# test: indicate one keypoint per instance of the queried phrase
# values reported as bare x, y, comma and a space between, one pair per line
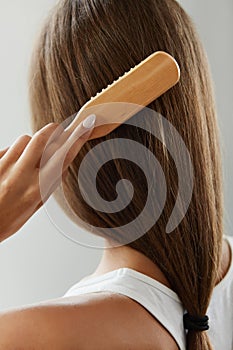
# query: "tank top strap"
163, 303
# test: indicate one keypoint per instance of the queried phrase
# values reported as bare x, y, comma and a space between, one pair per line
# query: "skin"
30, 162
91, 321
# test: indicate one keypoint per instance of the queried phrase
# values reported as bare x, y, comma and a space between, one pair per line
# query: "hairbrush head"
135, 89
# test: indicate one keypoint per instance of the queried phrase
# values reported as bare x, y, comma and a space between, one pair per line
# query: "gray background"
38, 262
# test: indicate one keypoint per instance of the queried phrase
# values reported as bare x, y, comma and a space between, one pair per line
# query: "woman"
145, 286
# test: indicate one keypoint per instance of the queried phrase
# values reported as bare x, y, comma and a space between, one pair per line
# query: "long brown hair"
83, 47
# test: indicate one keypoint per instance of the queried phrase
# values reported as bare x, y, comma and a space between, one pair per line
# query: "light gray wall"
38, 262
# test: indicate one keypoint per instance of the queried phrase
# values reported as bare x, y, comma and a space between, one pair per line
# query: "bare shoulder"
90, 321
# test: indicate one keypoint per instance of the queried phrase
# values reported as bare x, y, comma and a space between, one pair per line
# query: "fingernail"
89, 121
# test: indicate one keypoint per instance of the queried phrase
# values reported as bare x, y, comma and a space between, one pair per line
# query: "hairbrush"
137, 88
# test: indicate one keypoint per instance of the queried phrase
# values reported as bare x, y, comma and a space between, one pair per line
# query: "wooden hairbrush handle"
137, 88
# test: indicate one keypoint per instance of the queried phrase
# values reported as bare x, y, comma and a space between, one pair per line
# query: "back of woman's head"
83, 47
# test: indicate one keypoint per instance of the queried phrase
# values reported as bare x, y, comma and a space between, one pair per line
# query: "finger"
59, 162
3, 152
76, 140
69, 148
53, 146
35, 148
56, 143
15, 151
73, 123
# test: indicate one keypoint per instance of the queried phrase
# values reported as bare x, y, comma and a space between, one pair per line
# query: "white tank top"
165, 305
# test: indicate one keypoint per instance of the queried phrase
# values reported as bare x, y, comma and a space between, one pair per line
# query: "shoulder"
90, 321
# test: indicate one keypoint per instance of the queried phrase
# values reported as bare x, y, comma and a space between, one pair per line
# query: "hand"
34, 161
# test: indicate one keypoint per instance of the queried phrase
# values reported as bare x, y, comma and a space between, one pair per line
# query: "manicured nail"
89, 121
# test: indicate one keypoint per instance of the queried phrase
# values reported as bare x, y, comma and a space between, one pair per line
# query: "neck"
125, 256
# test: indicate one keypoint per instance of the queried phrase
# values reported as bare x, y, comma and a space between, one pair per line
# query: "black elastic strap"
198, 324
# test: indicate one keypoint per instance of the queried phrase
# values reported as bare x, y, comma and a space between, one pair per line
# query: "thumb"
83, 130
77, 139
88, 125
